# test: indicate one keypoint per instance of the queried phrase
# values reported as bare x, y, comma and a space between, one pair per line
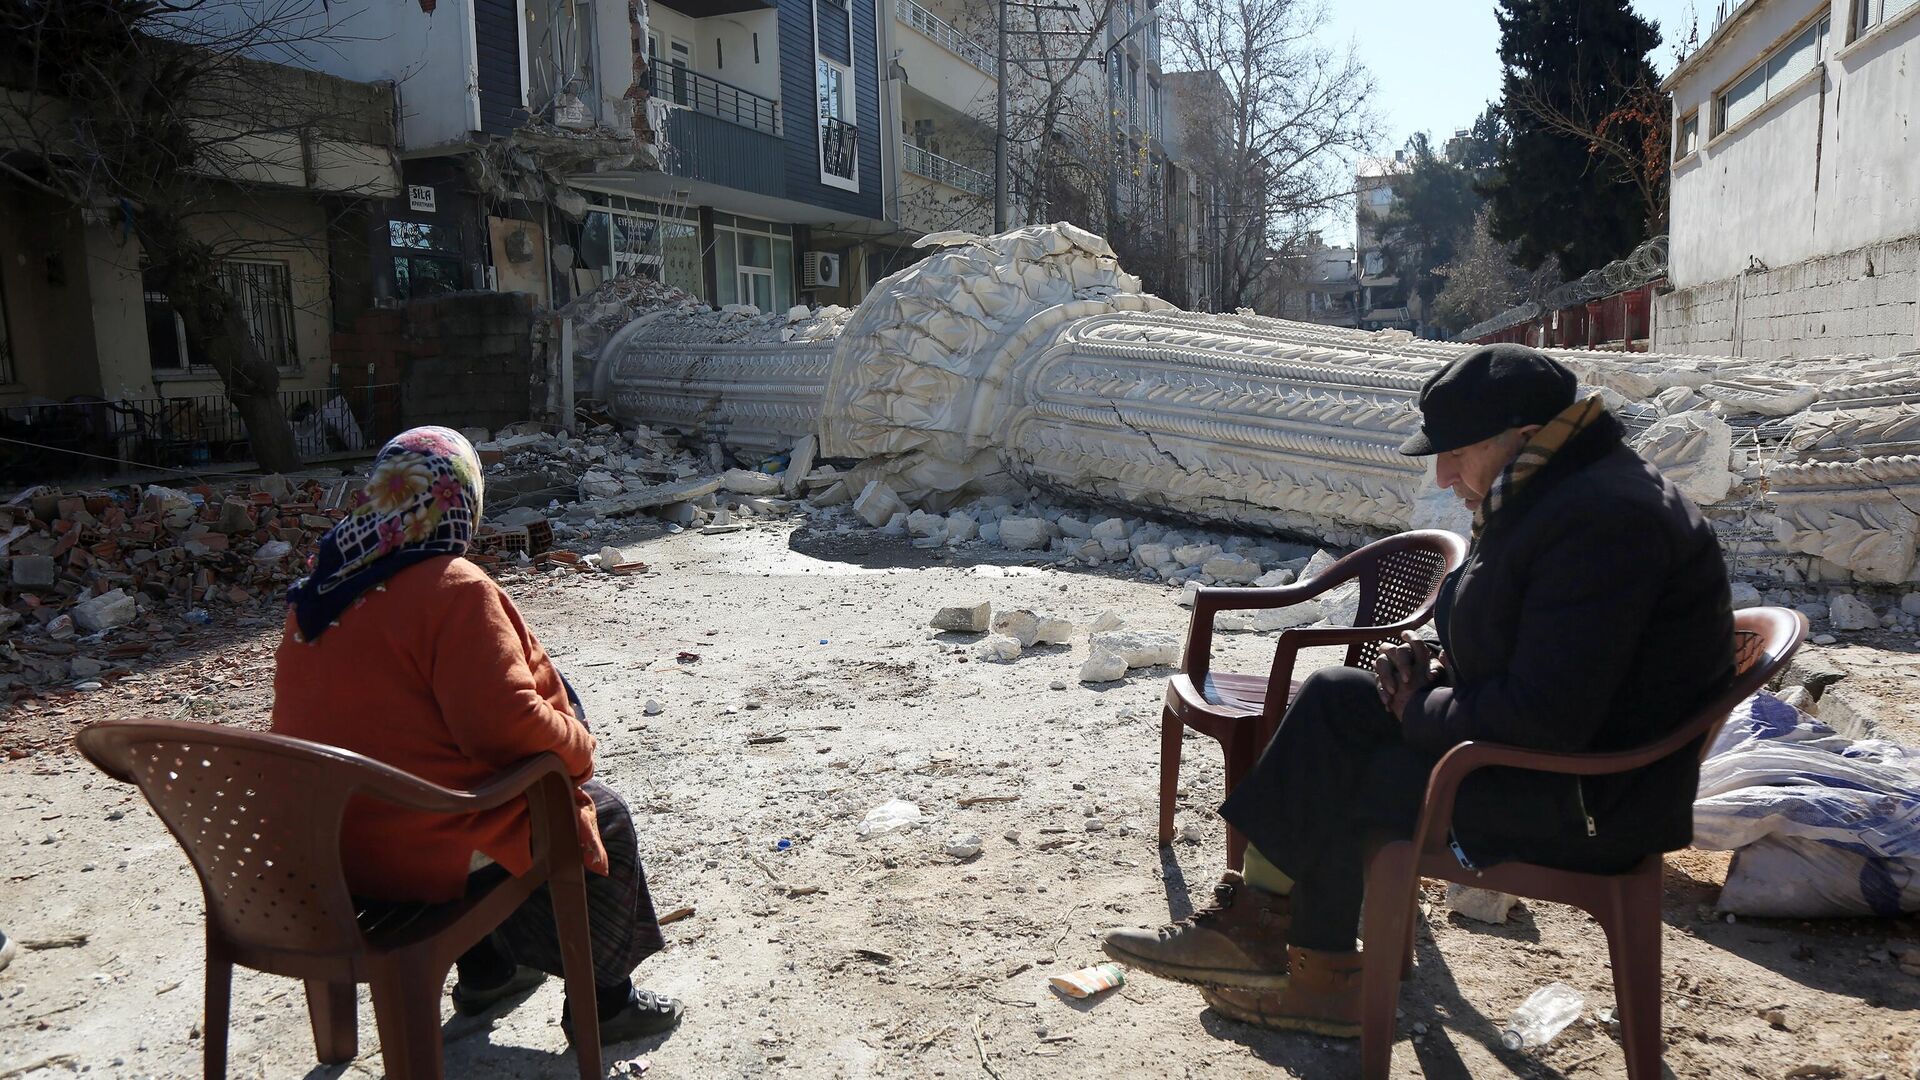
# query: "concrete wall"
43, 279
735, 33
463, 359
1862, 301
1824, 167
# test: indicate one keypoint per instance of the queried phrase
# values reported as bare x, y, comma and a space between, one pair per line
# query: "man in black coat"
1592, 614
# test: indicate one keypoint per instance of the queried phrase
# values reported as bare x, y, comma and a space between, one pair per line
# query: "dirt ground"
884, 957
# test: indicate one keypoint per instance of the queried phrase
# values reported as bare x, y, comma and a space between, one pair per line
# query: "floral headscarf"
422, 500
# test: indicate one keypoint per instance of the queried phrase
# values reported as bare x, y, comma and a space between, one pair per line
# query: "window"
264, 294
1771, 77
753, 263
839, 138
1380, 198
426, 259
1868, 14
261, 291
1687, 139
1153, 109
623, 236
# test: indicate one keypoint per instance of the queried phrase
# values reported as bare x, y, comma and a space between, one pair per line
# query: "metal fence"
715, 97
934, 167
839, 147
943, 34
92, 435
1647, 263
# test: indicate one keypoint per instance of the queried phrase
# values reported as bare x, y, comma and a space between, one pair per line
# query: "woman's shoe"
645, 1013
471, 1000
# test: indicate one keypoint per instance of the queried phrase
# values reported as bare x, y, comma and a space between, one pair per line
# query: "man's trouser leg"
1335, 775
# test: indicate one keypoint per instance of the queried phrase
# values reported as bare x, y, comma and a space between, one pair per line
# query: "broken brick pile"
100, 578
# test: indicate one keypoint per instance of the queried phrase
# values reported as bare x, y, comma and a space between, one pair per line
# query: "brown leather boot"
1240, 941
1322, 996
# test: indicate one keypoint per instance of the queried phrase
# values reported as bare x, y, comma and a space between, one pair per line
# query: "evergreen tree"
1572, 68
1433, 211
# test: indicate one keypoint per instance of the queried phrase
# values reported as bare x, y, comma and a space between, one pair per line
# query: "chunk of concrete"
235, 517
1286, 618
799, 464
1074, 527
1054, 631
1152, 555
1480, 905
961, 526
600, 485
878, 504
836, 493
35, 571
1140, 648
964, 618
748, 482
1226, 569
1111, 529
1274, 578
1848, 612
921, 523
1024, 533
104, 612
997, 648
1020, 624
1105, 621
1745, 596
1103, 665
1195, 554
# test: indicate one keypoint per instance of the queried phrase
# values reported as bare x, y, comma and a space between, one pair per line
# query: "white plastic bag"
1820, 825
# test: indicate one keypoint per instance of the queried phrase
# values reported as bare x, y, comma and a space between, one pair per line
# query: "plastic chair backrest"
1402, 573
259, 815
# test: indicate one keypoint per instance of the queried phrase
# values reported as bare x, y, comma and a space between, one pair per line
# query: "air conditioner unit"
820, 270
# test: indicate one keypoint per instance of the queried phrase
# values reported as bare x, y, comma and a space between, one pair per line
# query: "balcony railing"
839, 148
943, 34
706, 94
934, 167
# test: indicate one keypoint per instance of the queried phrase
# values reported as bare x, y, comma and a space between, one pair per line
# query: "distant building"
1795, 222
1320, 286
1383, 298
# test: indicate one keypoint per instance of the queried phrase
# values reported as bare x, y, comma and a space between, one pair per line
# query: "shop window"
753, 264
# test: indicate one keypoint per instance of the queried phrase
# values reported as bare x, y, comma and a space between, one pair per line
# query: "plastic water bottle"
1542, 1016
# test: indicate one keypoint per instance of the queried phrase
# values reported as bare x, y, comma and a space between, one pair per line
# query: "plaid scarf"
422, 500
1548, 441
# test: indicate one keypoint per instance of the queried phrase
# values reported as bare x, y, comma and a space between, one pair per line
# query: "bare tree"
1280, 143
158, 114
1483, 279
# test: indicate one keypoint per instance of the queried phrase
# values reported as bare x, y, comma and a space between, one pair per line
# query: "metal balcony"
714, 97
944, 35
934, 167
839, 148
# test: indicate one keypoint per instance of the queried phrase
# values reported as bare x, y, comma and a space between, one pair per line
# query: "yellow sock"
1262, 874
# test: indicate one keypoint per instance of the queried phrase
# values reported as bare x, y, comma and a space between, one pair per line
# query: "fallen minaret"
1033, 360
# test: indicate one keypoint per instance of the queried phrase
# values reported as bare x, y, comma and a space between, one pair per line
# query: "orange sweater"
435, 674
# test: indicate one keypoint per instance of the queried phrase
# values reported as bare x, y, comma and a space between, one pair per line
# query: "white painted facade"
1795, 144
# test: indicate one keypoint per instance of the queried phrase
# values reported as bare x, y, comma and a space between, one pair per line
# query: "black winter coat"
1593, 615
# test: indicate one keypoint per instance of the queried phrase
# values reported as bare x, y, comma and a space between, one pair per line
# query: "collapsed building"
1032, 361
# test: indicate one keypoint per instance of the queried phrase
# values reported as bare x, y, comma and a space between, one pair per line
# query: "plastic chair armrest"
413, 793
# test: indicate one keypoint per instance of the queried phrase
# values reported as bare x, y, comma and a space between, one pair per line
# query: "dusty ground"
903, 953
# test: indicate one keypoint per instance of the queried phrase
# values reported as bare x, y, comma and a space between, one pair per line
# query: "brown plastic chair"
1627, 906
259, 815
1399, 581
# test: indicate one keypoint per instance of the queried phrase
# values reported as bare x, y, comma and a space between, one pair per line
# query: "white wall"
429, 56
1824, 168
735, 32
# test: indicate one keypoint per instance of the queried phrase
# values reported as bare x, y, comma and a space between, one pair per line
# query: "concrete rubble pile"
1030, 366
95, 579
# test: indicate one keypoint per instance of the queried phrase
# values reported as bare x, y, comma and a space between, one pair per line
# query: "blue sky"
1435, 63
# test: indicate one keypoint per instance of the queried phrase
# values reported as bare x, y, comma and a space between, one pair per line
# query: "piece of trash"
636, 1067
962, 845
675, 916
1089, 981
687, 658
87, 687
199, 617
1545, 1013
823, 641
888, 816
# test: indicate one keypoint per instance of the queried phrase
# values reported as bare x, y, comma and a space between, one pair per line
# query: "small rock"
1851, 613
35, 571
1074, 527
1274, 578
1285, 618
962, 845
998, 648
1110, 529
1152, 555
1480, 905
1024, 534
1745, 596
1057, 684
877, 504
103, 612
1104, 665
1195, 554
1054, 631
1191, 832
965, 618
1910, 603
1226, 568
85, 667
1105, 621
1824, 639
1020, 624
651, 708
1094, 824
921, 523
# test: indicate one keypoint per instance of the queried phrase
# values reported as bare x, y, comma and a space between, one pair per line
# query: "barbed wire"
1646, 263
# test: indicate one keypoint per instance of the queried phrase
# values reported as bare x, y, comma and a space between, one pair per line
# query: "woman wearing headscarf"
398, 648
